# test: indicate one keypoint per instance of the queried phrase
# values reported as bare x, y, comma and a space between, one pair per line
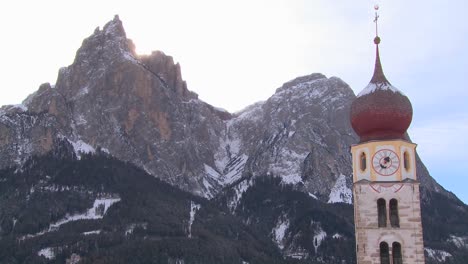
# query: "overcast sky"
235, 53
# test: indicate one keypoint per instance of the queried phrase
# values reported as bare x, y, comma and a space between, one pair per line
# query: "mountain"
137, 108
98, 209
281, 167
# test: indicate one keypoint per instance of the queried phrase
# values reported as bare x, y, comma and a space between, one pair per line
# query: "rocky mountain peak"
107, 53
300, 80
115, 27
138, 108
168, 71
109, 43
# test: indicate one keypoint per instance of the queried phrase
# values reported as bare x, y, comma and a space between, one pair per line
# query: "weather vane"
377, 38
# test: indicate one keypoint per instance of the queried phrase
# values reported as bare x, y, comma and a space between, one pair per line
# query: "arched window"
406, 161
382, 212
384, 254
394, 219
363, 161
396, 253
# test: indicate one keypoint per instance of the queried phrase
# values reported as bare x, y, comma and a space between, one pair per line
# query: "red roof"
380, 112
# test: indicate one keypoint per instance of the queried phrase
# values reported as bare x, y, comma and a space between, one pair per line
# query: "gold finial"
377, 38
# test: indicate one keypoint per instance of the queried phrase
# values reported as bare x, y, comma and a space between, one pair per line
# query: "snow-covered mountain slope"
138, 109
285, 136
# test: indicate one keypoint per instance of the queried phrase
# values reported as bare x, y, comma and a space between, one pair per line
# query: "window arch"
382, 212
406, 161
396, 253
394, 218
363, 161
384, 254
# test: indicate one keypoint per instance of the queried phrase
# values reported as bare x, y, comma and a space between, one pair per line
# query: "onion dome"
380, 111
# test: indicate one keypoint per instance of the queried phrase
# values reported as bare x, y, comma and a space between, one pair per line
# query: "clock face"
385, 162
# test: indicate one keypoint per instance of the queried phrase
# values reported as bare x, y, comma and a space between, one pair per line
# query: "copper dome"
380, 111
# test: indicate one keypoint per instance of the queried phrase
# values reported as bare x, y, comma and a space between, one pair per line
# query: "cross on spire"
376, 19
379, 76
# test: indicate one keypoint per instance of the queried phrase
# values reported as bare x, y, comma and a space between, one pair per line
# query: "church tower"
387, 211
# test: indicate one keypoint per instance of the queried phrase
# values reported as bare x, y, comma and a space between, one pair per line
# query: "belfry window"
394, 219
384, 254
396, 253
382, 212
362, 161
406, 161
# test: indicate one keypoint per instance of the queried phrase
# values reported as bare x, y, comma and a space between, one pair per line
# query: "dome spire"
379, 76
380, 111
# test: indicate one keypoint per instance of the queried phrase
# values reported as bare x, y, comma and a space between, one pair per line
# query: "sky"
235, 53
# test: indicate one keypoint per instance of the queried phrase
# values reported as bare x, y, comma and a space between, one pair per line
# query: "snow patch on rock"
234, 169
94, 232
239, 190
340, 193
459, 242
229, 147
336, 236
99, 209
291, 179
194, 207
208, 191
20, 107
299, 253
439, 255
372, 87
221, 109
47, 253
304, 89
279, 231
105, 150
251, 113
82, 91
128, 56
319, 236
288, 166
23, 150
81, 120
229, 161
130, 228
81, 147
212, 173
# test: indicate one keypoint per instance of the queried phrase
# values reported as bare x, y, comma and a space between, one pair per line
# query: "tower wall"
370, 186
369, 235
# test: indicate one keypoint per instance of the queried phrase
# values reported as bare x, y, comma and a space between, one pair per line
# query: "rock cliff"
138, 109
